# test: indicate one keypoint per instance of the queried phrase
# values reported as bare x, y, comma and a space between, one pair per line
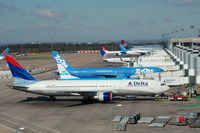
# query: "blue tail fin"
6, 51
123, 49
18, 70
102, 52
63, 66
60, 60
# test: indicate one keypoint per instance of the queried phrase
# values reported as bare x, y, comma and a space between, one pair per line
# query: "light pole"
176, 35
182, 32
65, 46
21, 47
172, 35
163, 37
199, 33
7, 43
51, 45
192, 27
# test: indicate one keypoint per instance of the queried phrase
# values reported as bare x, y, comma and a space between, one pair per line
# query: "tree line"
48, 47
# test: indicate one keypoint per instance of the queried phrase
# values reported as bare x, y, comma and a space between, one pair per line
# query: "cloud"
7, 5
45, 25
4, 29
82, 16
150, 22
135, 22
169, 20
38, 6
194, 12
186, 3
50, 26
67, 27
49, 14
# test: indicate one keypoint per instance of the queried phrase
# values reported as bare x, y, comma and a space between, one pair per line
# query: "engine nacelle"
104, 96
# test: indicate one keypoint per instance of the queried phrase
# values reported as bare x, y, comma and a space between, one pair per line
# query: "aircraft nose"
161, 70
165, 88
105, 60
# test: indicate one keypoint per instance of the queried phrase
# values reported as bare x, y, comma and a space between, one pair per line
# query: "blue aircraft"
99, 72
124, 43
125, 49
4, 53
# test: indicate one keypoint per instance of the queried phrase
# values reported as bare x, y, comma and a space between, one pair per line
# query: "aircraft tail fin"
102, 51
18, 71
124, 43
63, 66
60, 60
6, 51
104, 48
123, 49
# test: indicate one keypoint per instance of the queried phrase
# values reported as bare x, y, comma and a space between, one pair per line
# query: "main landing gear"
87, 100
52, 98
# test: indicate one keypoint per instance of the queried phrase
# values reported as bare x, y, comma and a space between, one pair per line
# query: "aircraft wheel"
86, 100
52, 98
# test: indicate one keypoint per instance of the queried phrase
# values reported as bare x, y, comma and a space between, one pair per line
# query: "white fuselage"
112, 52
119, 60
81, 86
134, 53
138, 51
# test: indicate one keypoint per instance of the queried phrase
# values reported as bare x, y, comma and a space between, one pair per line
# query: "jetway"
181, 65
180, 60
185, 52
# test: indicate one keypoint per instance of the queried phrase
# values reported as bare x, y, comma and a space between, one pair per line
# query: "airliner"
138, 48
124, 43
102, 89
5, 52
134, 50
123, 51
117, 59
100, 72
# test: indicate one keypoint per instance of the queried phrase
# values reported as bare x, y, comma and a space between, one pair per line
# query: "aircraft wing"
112, 76
87, 93
106, 76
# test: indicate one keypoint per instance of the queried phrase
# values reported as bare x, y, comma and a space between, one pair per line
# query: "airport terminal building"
186, 53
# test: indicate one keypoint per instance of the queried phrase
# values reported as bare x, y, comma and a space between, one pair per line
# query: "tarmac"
68, 115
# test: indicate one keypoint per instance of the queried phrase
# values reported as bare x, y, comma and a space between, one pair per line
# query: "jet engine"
103, 96
119, 54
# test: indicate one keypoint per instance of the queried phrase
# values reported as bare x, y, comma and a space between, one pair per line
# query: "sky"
96, 20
